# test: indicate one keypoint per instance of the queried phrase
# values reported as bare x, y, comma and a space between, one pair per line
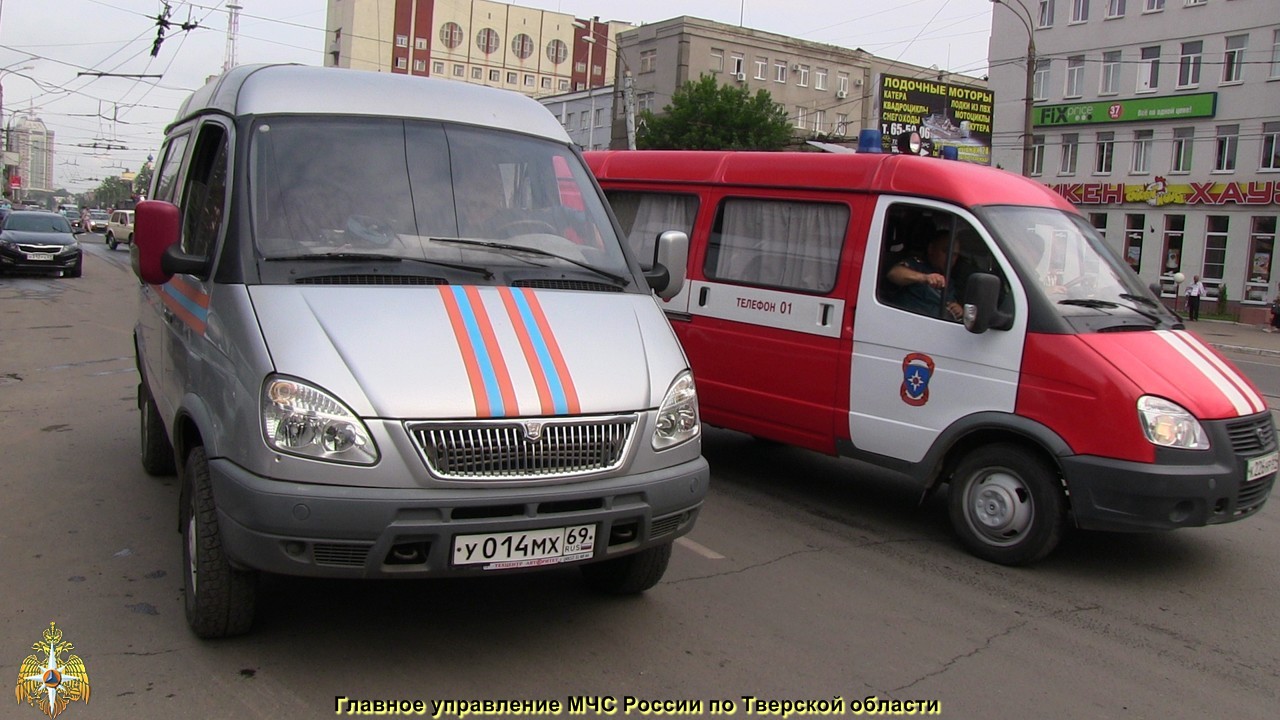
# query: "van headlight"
1169, 424
678, 417
301, 419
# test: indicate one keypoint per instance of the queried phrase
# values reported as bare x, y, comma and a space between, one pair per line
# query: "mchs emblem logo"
48, 680
917, 369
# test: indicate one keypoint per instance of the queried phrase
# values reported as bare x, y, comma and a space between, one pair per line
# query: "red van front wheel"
1007, 505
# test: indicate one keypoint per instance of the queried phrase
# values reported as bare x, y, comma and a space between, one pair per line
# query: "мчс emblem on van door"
917, 369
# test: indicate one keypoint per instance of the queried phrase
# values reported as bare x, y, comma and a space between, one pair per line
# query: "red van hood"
1177, 365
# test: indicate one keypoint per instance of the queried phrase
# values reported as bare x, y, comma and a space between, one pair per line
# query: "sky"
64, 67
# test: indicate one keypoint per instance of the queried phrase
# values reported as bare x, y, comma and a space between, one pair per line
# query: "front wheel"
111, 241
1007, 505
629, 574
219, 598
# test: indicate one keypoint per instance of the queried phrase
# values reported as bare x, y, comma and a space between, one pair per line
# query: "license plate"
1260, 466
39, 256
526, 548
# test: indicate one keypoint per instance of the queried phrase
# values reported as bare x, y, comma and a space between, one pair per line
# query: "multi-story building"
534, 52
33, 142
829, 92
1160, 119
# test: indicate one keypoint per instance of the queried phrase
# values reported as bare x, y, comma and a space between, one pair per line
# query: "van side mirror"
155, 252
981, 307
670, 258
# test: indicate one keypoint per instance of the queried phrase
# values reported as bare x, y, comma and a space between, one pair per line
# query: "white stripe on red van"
1231, 385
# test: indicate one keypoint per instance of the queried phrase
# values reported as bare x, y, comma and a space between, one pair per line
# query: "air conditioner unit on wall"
740, 77
841, 94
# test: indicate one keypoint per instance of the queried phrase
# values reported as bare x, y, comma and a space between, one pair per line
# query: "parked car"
120, 229
73, 219
98, 220
39, 240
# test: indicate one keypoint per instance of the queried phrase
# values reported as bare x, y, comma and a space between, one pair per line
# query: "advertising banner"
1180, 107
943, 113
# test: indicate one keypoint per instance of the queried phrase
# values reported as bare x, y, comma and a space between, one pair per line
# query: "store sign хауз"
1160, 193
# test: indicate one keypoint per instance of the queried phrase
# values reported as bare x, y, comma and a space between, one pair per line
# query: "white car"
120, 229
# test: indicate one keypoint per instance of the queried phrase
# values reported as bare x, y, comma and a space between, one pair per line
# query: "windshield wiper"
1107, 304
1140, 299
617, 279
383, 257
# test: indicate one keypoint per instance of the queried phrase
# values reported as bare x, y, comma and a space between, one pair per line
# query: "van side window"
927, 256
778, 243
206, 192
168, 174
645, 215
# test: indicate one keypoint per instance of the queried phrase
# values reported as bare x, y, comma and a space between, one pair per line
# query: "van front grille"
583, 285
370, 280
340, 554
528, 449
1252, 435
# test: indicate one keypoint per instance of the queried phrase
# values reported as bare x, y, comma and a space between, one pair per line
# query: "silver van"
388, 330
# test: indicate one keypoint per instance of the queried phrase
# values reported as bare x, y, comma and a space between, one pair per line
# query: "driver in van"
921, 279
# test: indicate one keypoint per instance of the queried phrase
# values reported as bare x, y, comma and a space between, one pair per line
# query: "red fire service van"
955, 323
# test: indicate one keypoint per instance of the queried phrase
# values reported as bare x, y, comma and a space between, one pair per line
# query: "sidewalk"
1236, 337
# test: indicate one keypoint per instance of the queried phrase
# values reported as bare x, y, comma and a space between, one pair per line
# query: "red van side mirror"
156, 227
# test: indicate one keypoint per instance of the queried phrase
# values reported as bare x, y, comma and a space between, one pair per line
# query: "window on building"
1037, 155
1075, 76
513, 78
530, 80
648, 61
1079, 11
1046, 14
1099, 222
1142, 140
1040, 82
1195, 2
1110, 84
1135, 226
522, 46
1115, 8
419, 66
1174, 227
459, 70
820, 78
402, 63
819, 120
1070, 149
717, 60
451, 35
599, 119
762, 67
1183, 142
584, 120
802, 115
1189, 63
488, 41
1233, 58
1224, 155
563, 85
557, 52
402, 41
779, 71
419, 43
545, 83
842, 83
738, 64
1153, 6
842, 126
802, 76
1215, 251
1149, 69
1105, 153
1262, 244
477, 73
495, 75
1270, 146
437, 67
1275, 54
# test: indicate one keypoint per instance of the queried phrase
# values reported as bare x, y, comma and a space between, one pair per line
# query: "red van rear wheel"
1007, 505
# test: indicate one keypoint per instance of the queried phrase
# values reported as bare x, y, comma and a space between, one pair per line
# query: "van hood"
471, 352
1179, 366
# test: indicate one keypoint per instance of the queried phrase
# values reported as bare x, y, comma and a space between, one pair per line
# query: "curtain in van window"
645, 215
781, 243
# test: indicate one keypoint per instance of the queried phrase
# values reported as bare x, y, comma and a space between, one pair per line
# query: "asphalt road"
807, 578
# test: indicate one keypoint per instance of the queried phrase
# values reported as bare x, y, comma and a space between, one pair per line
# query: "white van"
388, 329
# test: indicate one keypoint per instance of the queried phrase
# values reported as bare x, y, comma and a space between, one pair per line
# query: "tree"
706, 115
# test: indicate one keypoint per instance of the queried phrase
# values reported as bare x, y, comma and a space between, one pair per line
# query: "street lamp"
1025, 17
590, 39
4, 143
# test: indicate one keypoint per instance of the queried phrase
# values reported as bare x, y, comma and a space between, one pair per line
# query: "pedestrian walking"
1194, 292
1275, 311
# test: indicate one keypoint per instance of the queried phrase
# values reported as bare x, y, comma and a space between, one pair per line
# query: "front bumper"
351, 532
11, 259
1182, 488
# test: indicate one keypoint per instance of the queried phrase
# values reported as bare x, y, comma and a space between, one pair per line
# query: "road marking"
702, 550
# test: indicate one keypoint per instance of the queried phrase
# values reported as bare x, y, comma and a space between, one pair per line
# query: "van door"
916, 370
765, 308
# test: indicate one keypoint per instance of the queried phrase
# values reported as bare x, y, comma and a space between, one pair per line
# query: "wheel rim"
192, 544
999, 508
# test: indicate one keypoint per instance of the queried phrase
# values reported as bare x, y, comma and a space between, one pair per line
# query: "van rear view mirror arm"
176, 262
982, 291
670, 256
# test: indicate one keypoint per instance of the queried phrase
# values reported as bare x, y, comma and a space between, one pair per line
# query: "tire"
157, 451
1007, 505
78, 270
111, 240
219, 598
630, 574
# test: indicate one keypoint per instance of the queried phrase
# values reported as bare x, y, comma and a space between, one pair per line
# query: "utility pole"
233, 29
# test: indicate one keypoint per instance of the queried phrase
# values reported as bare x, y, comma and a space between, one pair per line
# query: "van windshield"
342, 187
1065, 258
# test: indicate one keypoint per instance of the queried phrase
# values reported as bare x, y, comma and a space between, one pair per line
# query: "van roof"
305, 89
963, 183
